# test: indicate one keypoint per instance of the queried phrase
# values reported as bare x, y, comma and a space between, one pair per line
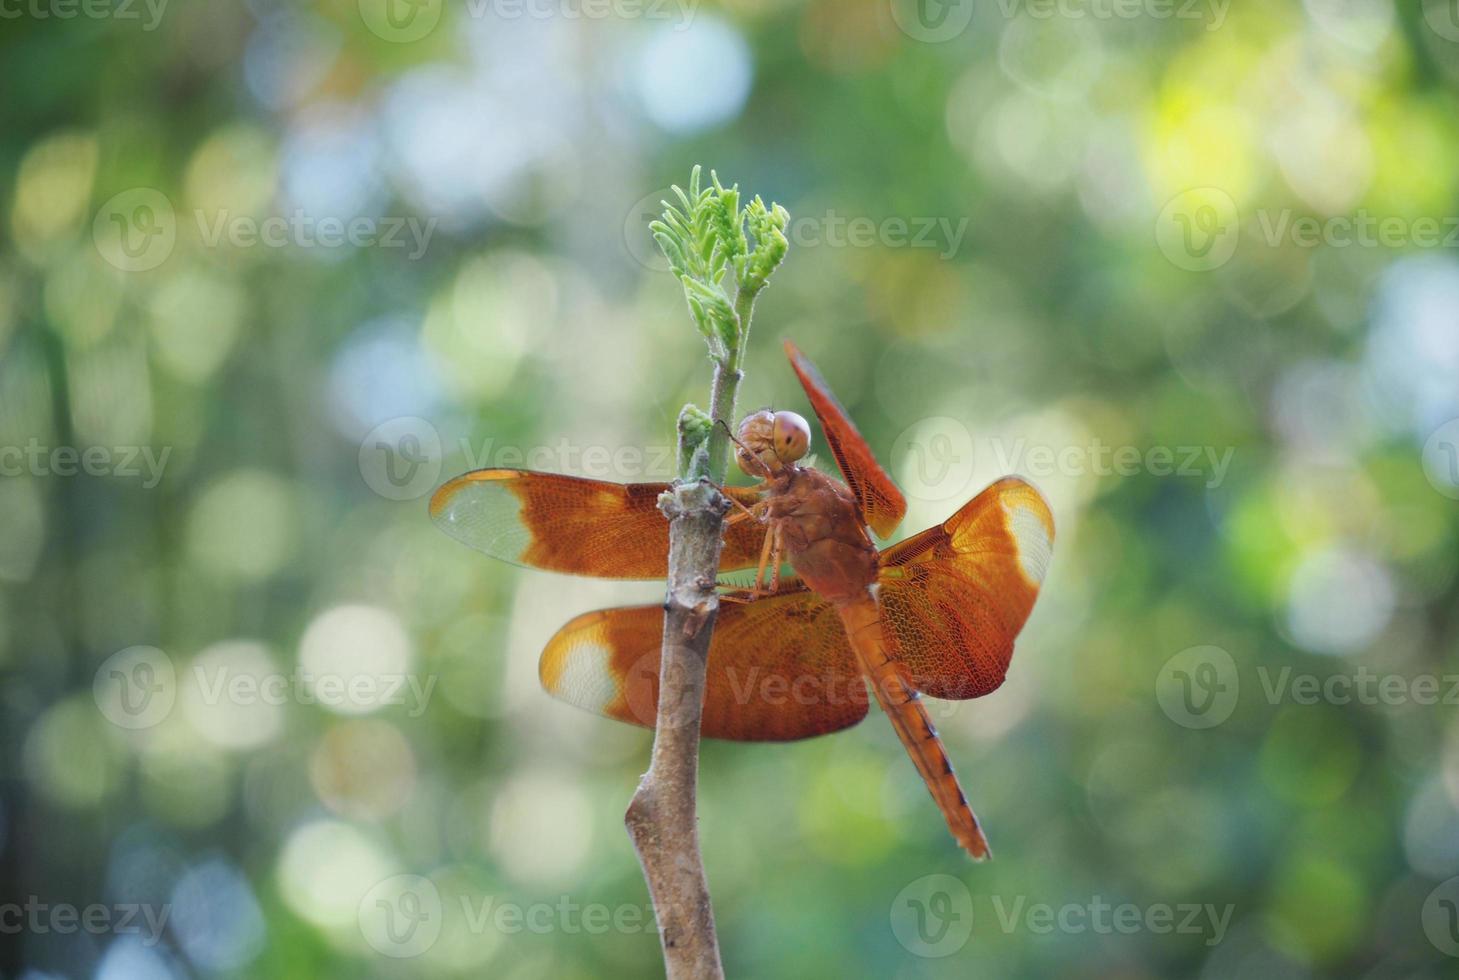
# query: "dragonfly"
792, 655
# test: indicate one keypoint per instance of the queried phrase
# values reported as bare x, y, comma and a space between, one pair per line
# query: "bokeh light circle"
356, 659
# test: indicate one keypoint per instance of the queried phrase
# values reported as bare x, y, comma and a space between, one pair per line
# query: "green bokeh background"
1114, 260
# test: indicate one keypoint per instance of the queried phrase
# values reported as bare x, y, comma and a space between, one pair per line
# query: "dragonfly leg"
741, 596
744, 512
774, 533
765, 550
757, 512
770, 556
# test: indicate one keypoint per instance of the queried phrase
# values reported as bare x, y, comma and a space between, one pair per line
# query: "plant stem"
662, 820
725, 389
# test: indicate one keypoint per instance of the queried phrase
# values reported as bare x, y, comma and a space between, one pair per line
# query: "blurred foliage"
1064, 240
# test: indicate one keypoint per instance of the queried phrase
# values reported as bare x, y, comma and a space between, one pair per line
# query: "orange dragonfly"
934, 614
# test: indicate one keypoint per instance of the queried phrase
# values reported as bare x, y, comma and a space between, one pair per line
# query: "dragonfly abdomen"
903, 706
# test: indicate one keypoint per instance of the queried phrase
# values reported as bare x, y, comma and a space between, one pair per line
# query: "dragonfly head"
770, 441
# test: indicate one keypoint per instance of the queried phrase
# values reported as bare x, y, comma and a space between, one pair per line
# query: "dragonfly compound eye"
791, 435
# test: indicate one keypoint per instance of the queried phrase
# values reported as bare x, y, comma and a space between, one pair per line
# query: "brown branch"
661, 818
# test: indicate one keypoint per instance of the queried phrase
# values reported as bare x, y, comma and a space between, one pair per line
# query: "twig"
661, 818
703, 243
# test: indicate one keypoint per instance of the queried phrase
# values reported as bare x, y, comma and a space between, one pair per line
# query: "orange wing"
780, 668
880, 502
568, 524
956, 595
